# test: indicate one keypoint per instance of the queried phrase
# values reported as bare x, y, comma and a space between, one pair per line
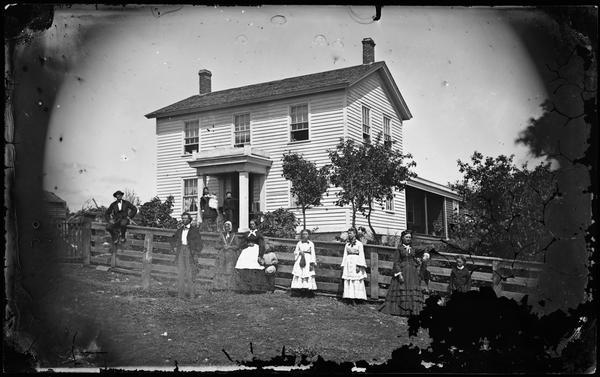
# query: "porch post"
263, 192
244, 180
445, 217
426, 219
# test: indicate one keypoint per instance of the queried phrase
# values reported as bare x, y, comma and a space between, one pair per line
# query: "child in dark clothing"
460, 277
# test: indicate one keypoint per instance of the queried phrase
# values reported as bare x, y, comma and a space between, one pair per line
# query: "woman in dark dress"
249, 269
404, 295
227, 245
209, 214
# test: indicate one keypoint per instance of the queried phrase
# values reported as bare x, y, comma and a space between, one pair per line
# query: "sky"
467, 78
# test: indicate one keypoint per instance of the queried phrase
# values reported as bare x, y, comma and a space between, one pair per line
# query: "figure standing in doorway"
229, 209
209, 214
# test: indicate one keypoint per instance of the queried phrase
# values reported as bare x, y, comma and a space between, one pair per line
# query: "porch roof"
433, 187
231, 160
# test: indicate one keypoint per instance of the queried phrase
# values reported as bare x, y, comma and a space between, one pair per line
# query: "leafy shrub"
157, 214
280, 223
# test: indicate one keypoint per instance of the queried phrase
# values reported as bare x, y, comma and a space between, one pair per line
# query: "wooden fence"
69, 239
147, 252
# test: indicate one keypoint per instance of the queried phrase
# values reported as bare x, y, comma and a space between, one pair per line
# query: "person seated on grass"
270, 263
249, 270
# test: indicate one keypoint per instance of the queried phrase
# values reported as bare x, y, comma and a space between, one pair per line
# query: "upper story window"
190, 195
366, 124
192, 137
241, 130
299, 122
387, 131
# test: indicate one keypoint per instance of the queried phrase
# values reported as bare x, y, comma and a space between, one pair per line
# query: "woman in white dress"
354, 269
303, 273
249, 271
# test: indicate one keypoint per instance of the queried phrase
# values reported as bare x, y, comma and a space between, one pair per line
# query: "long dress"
225, 263
404, 295
304, 277
354, 285
249, 274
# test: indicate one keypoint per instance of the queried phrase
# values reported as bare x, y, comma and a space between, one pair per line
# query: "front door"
251, 195
235, 194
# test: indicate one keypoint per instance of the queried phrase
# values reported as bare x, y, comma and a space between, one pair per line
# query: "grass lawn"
106, 319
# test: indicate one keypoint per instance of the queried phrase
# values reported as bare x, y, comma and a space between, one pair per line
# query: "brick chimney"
368, 51
204, 81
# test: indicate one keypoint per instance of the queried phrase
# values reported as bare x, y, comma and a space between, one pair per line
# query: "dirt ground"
107, 321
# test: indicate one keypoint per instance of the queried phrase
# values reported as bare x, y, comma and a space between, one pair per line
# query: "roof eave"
433, 187
397, 96
157, 114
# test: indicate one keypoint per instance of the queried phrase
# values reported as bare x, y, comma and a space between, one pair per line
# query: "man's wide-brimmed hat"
118, 192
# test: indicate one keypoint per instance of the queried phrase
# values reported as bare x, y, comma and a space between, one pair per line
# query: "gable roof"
290, 87
51, 197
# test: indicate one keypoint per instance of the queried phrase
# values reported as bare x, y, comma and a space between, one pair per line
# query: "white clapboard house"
234, 140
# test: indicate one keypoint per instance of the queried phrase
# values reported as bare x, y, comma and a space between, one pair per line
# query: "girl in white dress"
354, 269
303, 280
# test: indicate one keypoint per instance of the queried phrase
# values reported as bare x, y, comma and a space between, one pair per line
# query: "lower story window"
190, 195
389, 204
410, 212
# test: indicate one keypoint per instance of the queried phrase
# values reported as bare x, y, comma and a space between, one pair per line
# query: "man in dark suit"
187, 244
117, 216
229, 210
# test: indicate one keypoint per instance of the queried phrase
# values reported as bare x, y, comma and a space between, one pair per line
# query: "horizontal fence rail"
148, 253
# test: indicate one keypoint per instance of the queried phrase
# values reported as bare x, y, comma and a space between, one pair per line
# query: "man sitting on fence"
117, 216
186, 243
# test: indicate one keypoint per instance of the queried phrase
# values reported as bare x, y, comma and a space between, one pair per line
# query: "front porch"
239, 170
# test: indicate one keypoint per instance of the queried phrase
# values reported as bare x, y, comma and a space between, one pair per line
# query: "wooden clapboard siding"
269, 132
325, 129
371, 93
171, 166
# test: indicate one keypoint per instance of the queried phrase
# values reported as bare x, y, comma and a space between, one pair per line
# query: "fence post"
374, 275
113, 257
496, 280
86, 242
147, 260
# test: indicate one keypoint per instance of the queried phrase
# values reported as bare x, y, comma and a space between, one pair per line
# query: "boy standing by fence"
186, 243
